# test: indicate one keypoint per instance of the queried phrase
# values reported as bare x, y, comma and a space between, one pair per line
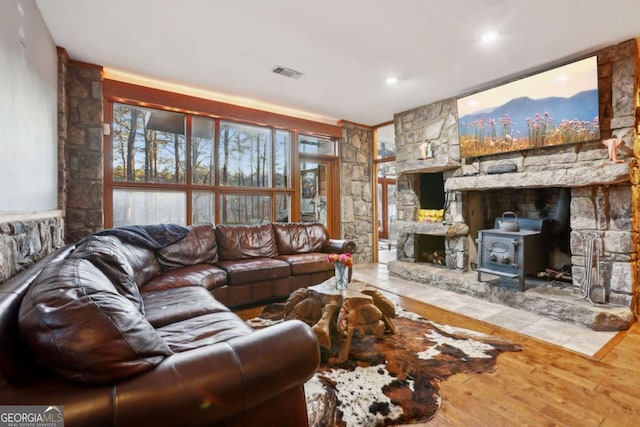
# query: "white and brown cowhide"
395, 379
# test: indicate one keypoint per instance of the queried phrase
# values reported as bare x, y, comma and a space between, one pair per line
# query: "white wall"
28, 110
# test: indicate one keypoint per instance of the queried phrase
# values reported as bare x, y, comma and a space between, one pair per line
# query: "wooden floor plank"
503, 406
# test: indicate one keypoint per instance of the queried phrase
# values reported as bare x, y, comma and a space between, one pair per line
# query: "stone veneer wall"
24, 241
605, 210
438, 124
602, 196
356, 190
63, 111
85, 198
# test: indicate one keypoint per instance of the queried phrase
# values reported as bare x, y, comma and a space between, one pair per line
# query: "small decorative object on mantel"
502, 168
612, 145
426, 151
341, 263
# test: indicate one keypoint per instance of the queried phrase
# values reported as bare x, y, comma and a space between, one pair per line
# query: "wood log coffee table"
339, 313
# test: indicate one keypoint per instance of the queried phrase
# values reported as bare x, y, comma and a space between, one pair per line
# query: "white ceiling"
345, 48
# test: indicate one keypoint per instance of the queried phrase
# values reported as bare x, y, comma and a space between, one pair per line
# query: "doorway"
386, 206
384, 137
386, 219
316, 182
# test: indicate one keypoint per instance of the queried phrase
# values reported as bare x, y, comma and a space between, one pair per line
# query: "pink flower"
346, 259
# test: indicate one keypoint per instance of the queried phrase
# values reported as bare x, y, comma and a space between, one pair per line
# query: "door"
386, 206
315, 189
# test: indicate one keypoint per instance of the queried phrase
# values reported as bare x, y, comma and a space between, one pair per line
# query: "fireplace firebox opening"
552, 203
432, 191
430, 249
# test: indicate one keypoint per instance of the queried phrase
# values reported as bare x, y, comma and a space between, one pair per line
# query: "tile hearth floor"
572, 337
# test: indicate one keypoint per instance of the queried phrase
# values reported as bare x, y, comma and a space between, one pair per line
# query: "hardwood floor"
543, 385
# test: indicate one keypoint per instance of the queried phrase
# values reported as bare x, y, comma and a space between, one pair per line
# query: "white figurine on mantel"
612, 145
427, 152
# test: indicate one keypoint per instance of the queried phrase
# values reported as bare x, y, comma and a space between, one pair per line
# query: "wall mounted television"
554, 107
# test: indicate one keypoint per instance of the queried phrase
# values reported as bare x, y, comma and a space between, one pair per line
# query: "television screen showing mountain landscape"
556, 107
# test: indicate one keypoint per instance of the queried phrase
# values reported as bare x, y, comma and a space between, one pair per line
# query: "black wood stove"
514, 254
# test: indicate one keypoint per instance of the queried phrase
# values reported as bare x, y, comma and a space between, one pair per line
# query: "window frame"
118, 92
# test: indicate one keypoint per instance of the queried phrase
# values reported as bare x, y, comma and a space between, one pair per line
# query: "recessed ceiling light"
391, 80
489, 36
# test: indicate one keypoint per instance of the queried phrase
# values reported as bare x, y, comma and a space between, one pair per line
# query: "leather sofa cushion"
307, 263
177, 304
143, 261
198, 247
254, 270
108, 255
204, 330
79, 326
204, 275
245, 241
298, 238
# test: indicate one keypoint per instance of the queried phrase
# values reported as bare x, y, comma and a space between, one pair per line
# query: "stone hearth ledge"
556, 305
594, 173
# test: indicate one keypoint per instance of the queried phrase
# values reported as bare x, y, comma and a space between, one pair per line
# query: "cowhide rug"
395, 379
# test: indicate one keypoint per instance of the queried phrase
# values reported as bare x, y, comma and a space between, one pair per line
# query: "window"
132, 207
182, 168
245, 155
386, 142
202, 152
245, 209
314, 145
283, 159
148, 145
203, 207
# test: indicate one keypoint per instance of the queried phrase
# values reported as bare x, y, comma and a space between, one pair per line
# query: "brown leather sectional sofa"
132, 326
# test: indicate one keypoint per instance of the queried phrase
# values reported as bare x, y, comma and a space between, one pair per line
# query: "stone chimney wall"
604, 198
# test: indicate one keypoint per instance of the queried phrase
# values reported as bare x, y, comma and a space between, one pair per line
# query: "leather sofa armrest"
220, 381
338, 246
289, 355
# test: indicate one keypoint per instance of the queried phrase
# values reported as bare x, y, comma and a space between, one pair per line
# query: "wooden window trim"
156, 98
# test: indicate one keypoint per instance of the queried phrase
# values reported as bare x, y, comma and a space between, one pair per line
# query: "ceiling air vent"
287, 72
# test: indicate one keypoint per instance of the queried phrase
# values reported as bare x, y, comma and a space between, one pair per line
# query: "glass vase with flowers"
341, 263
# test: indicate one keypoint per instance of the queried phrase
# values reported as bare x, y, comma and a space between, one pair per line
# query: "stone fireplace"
427, 247
572, 185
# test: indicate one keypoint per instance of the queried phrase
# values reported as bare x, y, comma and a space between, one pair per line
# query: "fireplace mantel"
594, 173
435, 165
432, 228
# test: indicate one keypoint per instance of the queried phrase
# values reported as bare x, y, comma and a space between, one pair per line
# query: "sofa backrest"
245, 241
296, 238
80, 326
198, 247
110, 256
143, 261
16, 361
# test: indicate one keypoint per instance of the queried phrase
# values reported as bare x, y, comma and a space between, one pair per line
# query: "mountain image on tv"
555, 107
525, 123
